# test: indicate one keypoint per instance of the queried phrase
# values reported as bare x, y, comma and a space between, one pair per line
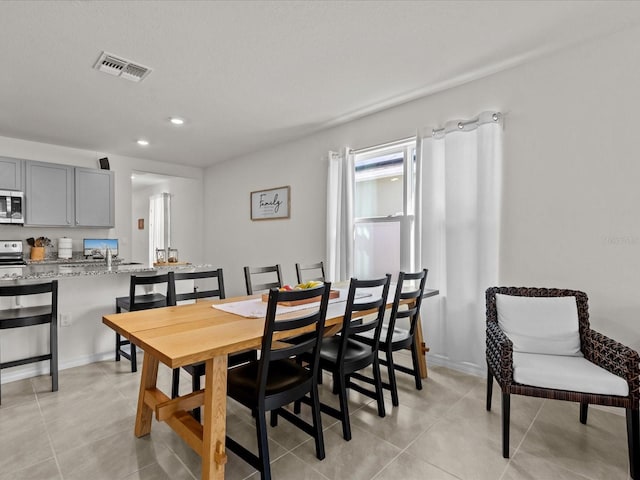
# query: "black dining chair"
145, 301
394, 337
19, 317
201, 287
265, 275
277, 379
345, 357
310, 271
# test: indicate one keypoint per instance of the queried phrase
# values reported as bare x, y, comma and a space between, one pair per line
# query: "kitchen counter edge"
44, 271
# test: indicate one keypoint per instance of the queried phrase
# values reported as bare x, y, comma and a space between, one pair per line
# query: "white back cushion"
546, 325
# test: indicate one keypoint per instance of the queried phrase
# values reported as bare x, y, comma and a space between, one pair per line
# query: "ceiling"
246, 75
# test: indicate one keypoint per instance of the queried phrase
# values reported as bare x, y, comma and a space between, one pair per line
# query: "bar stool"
36, 315
142, 302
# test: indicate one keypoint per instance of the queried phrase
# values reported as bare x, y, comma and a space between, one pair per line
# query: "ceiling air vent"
119, 67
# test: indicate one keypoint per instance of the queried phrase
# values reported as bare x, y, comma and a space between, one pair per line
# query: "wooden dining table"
188, 334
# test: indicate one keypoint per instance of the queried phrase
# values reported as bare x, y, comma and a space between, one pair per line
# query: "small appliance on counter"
65, 246
98, 247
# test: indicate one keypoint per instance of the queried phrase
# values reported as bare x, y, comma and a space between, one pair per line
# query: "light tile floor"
85, 431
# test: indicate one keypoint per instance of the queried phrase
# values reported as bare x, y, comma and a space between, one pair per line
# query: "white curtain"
159, 224
461, 196
340, 185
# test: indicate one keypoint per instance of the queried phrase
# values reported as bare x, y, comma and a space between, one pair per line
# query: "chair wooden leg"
506, 411
379, 389
317, 423
584, 410
263, 446
489, 388
415, 357
274, 418
633, 437
393, 385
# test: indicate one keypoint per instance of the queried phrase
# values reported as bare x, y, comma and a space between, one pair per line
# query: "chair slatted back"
413, 310
136, 302
356, 311
27, 316
197, 293
262, 271
302, 269
293, 325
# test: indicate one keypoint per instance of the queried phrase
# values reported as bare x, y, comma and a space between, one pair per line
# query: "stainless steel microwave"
11, 207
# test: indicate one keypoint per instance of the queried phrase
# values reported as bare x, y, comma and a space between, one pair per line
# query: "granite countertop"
65, 268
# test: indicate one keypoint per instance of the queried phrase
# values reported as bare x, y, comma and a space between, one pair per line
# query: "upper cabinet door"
94, 198
49, 194
10, 174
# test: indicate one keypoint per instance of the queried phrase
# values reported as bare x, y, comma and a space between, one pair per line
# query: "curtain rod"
484, 117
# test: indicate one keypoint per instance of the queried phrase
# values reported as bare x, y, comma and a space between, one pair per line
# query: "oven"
11, 207
11, 258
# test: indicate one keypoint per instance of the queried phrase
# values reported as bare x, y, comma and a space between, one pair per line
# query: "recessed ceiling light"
395, 179
143, 142
177, 120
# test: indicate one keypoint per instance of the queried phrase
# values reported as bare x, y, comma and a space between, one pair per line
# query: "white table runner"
256, 308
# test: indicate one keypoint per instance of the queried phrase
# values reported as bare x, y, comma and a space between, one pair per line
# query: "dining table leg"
148, 380
422, 350
214, 454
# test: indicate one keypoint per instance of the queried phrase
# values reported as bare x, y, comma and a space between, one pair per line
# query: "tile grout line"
404, 450
46, 429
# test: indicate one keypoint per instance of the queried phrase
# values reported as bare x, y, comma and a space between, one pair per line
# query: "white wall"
571, 196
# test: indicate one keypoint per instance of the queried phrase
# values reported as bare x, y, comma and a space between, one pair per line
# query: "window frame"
406, 220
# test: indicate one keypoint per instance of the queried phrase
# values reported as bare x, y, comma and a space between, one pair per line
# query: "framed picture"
271, 204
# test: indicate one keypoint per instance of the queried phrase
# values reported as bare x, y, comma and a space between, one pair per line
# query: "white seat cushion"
576, 374
546, 325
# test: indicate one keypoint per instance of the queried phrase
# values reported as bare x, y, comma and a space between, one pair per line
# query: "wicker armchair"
594, 347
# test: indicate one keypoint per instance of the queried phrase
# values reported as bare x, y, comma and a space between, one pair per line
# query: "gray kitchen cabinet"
49, 194
10, 174
94, 197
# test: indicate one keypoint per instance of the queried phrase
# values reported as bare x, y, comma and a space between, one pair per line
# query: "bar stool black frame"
34, 315
147, 301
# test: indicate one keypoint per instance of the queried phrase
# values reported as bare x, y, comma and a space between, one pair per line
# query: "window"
383, 208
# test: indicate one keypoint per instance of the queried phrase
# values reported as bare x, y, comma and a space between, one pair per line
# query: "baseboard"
464, 367
42, 368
